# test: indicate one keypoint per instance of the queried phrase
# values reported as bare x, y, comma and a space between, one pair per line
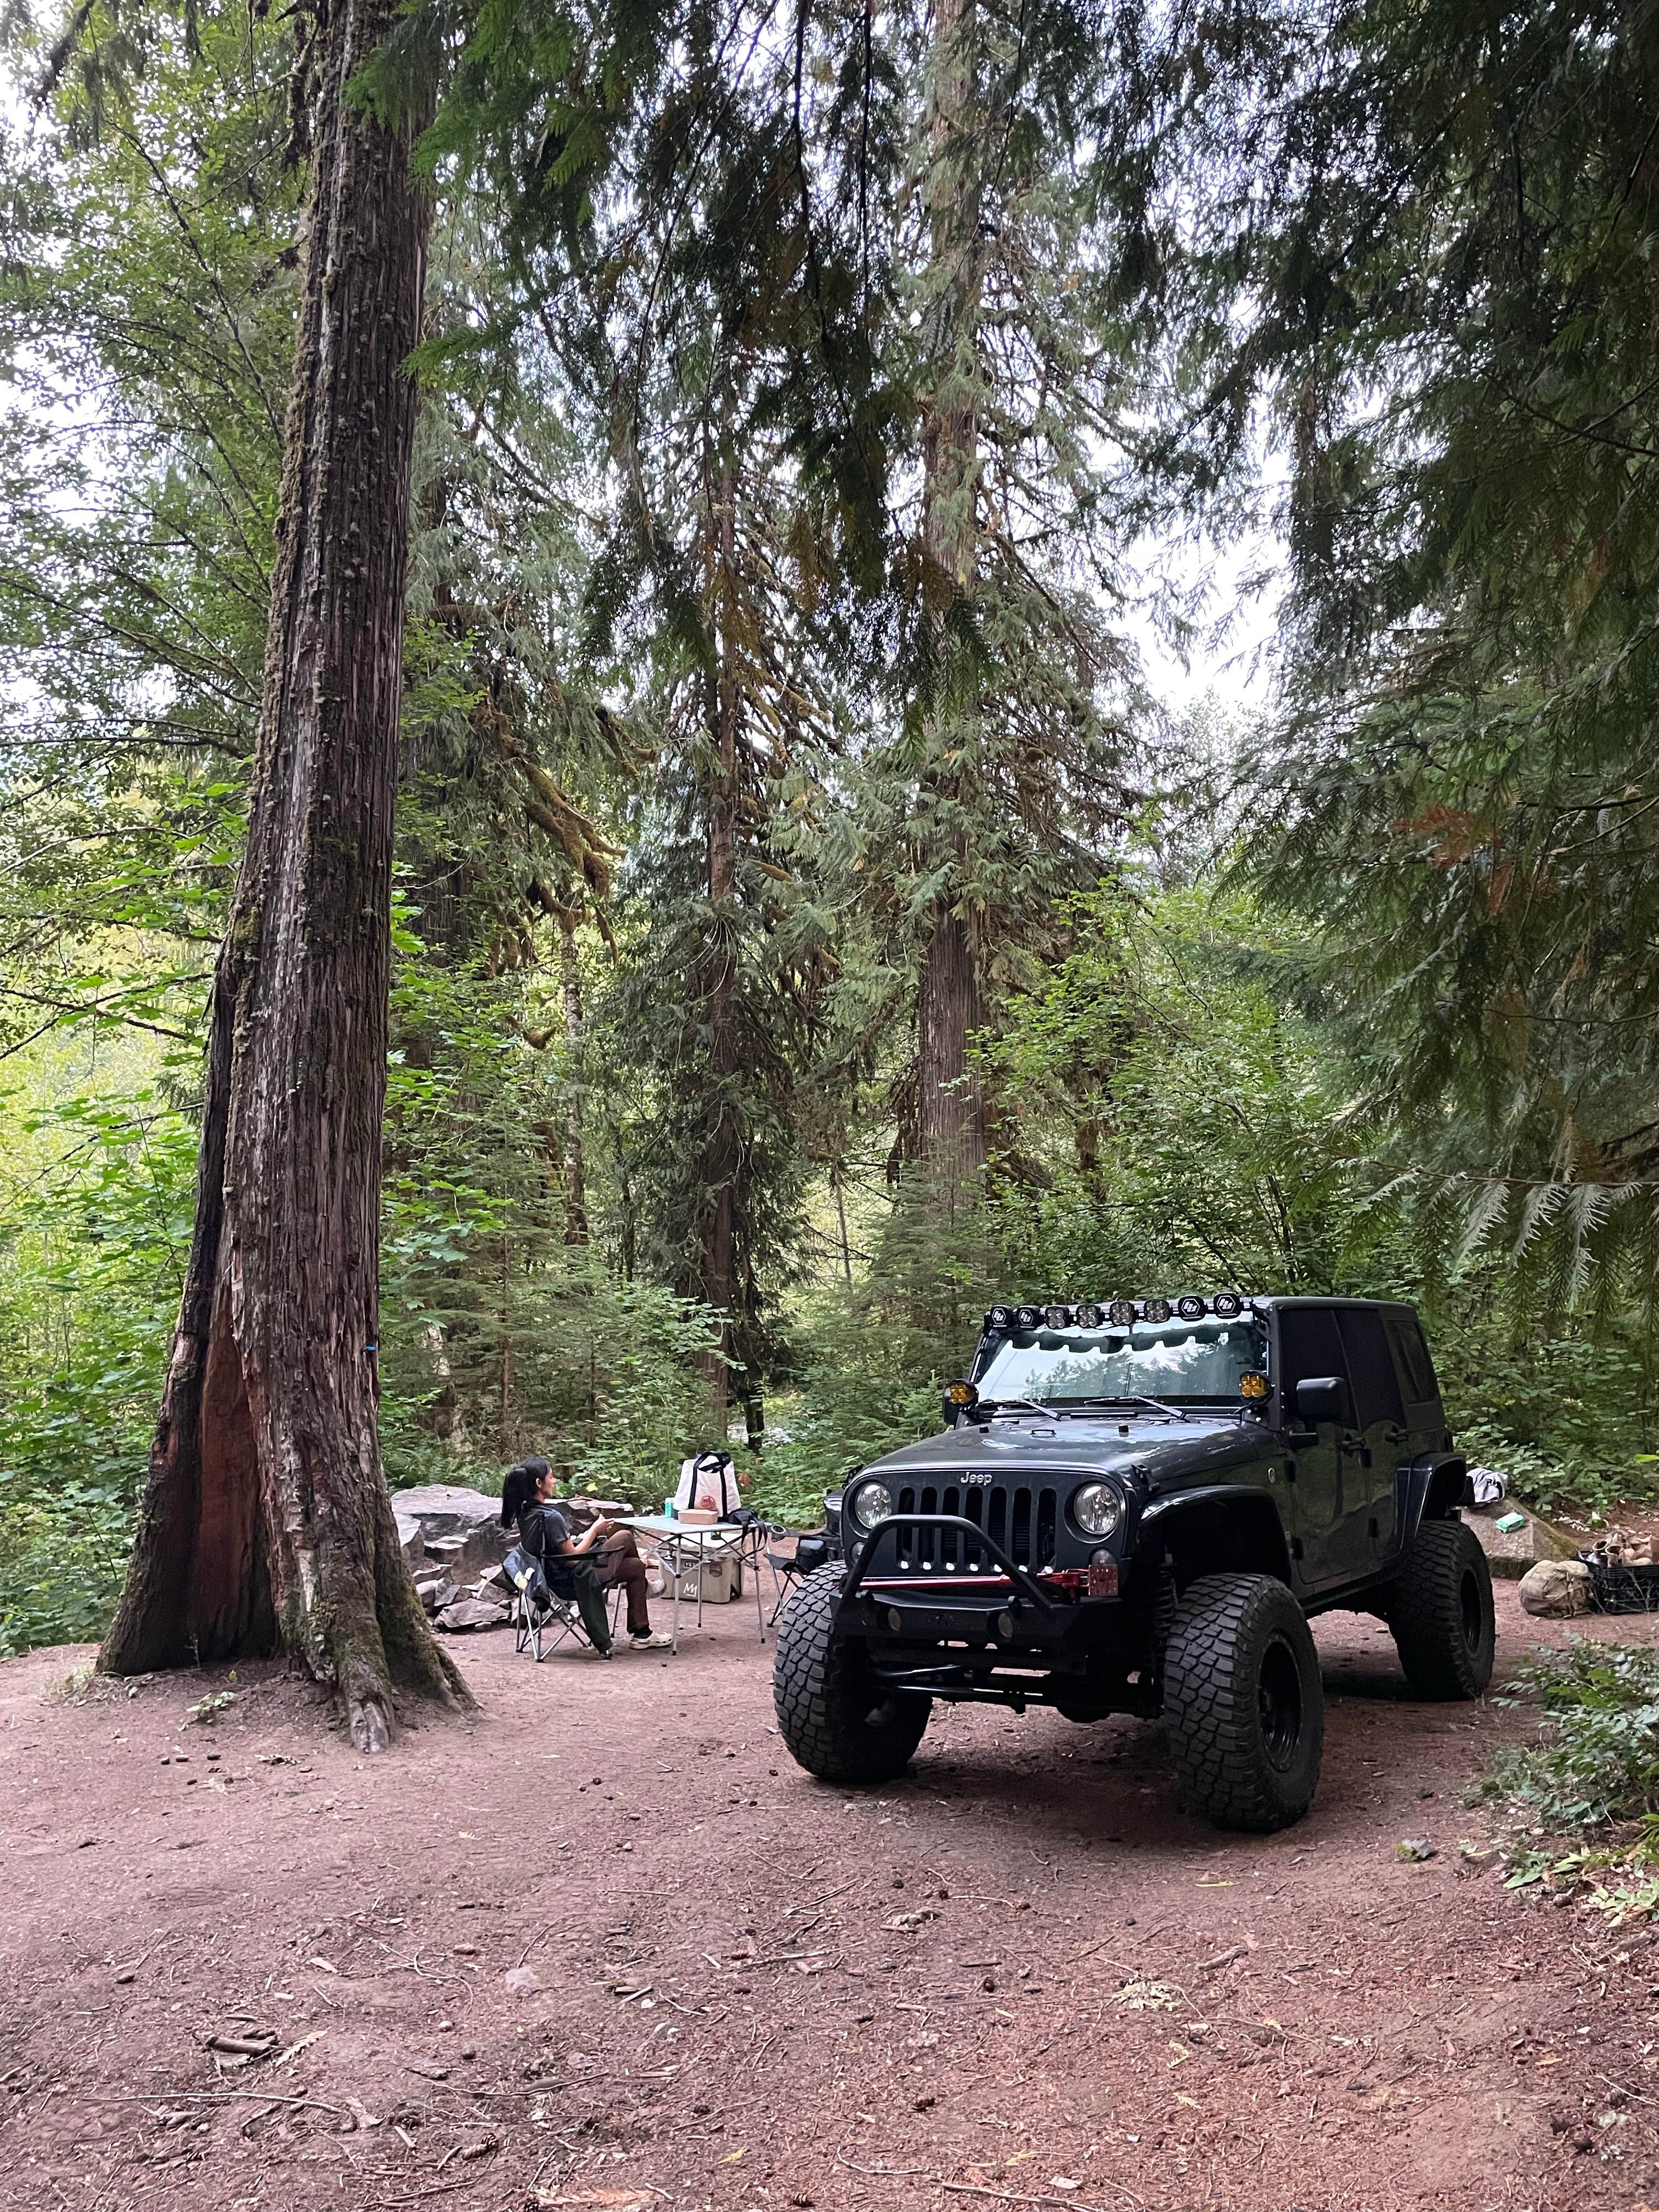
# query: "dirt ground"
605, 1946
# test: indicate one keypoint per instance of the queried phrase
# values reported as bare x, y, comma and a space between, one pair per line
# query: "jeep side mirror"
1324, 1398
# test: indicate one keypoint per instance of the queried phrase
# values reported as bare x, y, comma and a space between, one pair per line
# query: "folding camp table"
687, 1547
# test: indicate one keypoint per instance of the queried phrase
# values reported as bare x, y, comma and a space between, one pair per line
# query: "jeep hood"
1013, 1448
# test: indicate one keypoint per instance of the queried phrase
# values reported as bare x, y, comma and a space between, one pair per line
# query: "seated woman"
578, 1569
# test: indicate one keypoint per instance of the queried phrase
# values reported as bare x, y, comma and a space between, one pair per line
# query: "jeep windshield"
1181, 1362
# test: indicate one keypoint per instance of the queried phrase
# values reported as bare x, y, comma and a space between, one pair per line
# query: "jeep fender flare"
1431, 1489
1228, 1528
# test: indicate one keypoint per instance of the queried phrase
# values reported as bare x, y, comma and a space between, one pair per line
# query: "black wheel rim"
1279, 1702
1472, 1612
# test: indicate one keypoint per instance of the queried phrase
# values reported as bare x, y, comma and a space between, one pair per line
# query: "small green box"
1507, 1524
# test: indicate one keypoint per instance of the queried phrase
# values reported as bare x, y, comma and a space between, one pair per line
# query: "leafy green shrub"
95, 1206
1584, 1488
858, 1393
1596, 1761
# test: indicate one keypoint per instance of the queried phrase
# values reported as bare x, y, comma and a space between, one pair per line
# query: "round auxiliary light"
1000, 1317
871, 1503
1028, 1317
1227, 1305
1088, 1316
1057, 1316
1156, 1310
1121, 1313
1190, 1309
1097, 1508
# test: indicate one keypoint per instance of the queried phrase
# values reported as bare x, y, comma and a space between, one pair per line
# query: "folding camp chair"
542, 1620
786, 1571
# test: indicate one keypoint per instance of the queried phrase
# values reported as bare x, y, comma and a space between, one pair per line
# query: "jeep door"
1309, 1344
1426, 1417
1371, 1455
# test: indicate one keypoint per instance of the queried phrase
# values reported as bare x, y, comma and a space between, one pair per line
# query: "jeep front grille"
1021, 1519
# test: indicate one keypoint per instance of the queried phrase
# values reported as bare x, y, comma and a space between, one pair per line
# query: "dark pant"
617, 1560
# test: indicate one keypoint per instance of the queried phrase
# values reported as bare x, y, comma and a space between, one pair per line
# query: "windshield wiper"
1158, 1405
1003, 1404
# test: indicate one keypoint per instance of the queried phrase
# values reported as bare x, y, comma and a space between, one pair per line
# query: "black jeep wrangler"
1134, 1508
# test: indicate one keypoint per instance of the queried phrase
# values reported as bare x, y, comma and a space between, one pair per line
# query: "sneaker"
652, 1642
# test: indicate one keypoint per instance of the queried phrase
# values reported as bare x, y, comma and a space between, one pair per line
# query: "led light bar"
1118, 1313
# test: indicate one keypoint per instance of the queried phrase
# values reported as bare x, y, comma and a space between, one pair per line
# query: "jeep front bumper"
995, 1631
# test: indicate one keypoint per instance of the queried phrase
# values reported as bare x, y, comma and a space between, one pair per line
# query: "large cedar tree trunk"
266, 1523
951, 1005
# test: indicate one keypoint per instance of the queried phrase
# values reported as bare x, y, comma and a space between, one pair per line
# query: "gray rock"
436, 1592
582, 1511
1508, 1556
457, 1528
445, 1509
473, 1612
1555, 1589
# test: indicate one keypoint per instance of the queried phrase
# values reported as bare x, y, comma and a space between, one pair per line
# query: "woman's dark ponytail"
520, 1488
517, 1492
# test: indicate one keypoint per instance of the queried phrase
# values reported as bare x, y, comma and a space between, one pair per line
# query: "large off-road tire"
1440, 1611
1243, 1705
834, 1717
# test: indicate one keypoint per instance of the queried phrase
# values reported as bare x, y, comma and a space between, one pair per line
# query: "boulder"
458, 1529
1511, 1552
473, 1612
435, 1591
1555, 1589
582, 1511
445, 1509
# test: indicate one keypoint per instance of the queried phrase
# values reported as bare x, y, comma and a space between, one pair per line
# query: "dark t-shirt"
544, 1532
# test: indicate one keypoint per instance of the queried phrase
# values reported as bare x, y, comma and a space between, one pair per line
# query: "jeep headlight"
870, 1503
1097, 1508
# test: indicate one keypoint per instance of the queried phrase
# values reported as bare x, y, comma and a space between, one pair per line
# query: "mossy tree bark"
266, 1521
